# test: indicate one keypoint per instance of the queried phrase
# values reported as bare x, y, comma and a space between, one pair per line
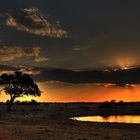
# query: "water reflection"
117, 119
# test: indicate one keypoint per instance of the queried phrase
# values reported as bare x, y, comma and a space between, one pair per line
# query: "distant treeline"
32, 102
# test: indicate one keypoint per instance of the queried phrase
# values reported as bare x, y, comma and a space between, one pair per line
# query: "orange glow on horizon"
83, 93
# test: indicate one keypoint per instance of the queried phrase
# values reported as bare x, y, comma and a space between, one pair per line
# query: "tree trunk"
10, 103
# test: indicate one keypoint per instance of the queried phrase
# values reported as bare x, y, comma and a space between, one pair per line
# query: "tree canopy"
18, 84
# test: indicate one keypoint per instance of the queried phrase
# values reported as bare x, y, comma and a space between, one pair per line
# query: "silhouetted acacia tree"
17, 85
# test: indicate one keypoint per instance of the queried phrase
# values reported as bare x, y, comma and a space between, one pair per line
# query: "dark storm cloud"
118, 77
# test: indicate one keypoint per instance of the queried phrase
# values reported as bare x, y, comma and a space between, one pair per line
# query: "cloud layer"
11, 53
119, 77
9, 68
32, 21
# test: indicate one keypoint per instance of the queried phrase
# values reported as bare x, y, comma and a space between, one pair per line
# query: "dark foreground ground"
51, 122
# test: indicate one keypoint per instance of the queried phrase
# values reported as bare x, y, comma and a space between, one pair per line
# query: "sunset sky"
76, 50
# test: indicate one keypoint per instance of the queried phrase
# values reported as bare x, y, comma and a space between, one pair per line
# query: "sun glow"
125, 67
125, 63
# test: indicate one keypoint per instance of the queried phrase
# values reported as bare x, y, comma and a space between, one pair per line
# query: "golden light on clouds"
35, 23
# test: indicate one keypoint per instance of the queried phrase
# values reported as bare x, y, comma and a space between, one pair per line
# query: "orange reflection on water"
117, 119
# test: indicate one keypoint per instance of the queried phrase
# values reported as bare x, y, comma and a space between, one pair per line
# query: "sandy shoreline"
51, 122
